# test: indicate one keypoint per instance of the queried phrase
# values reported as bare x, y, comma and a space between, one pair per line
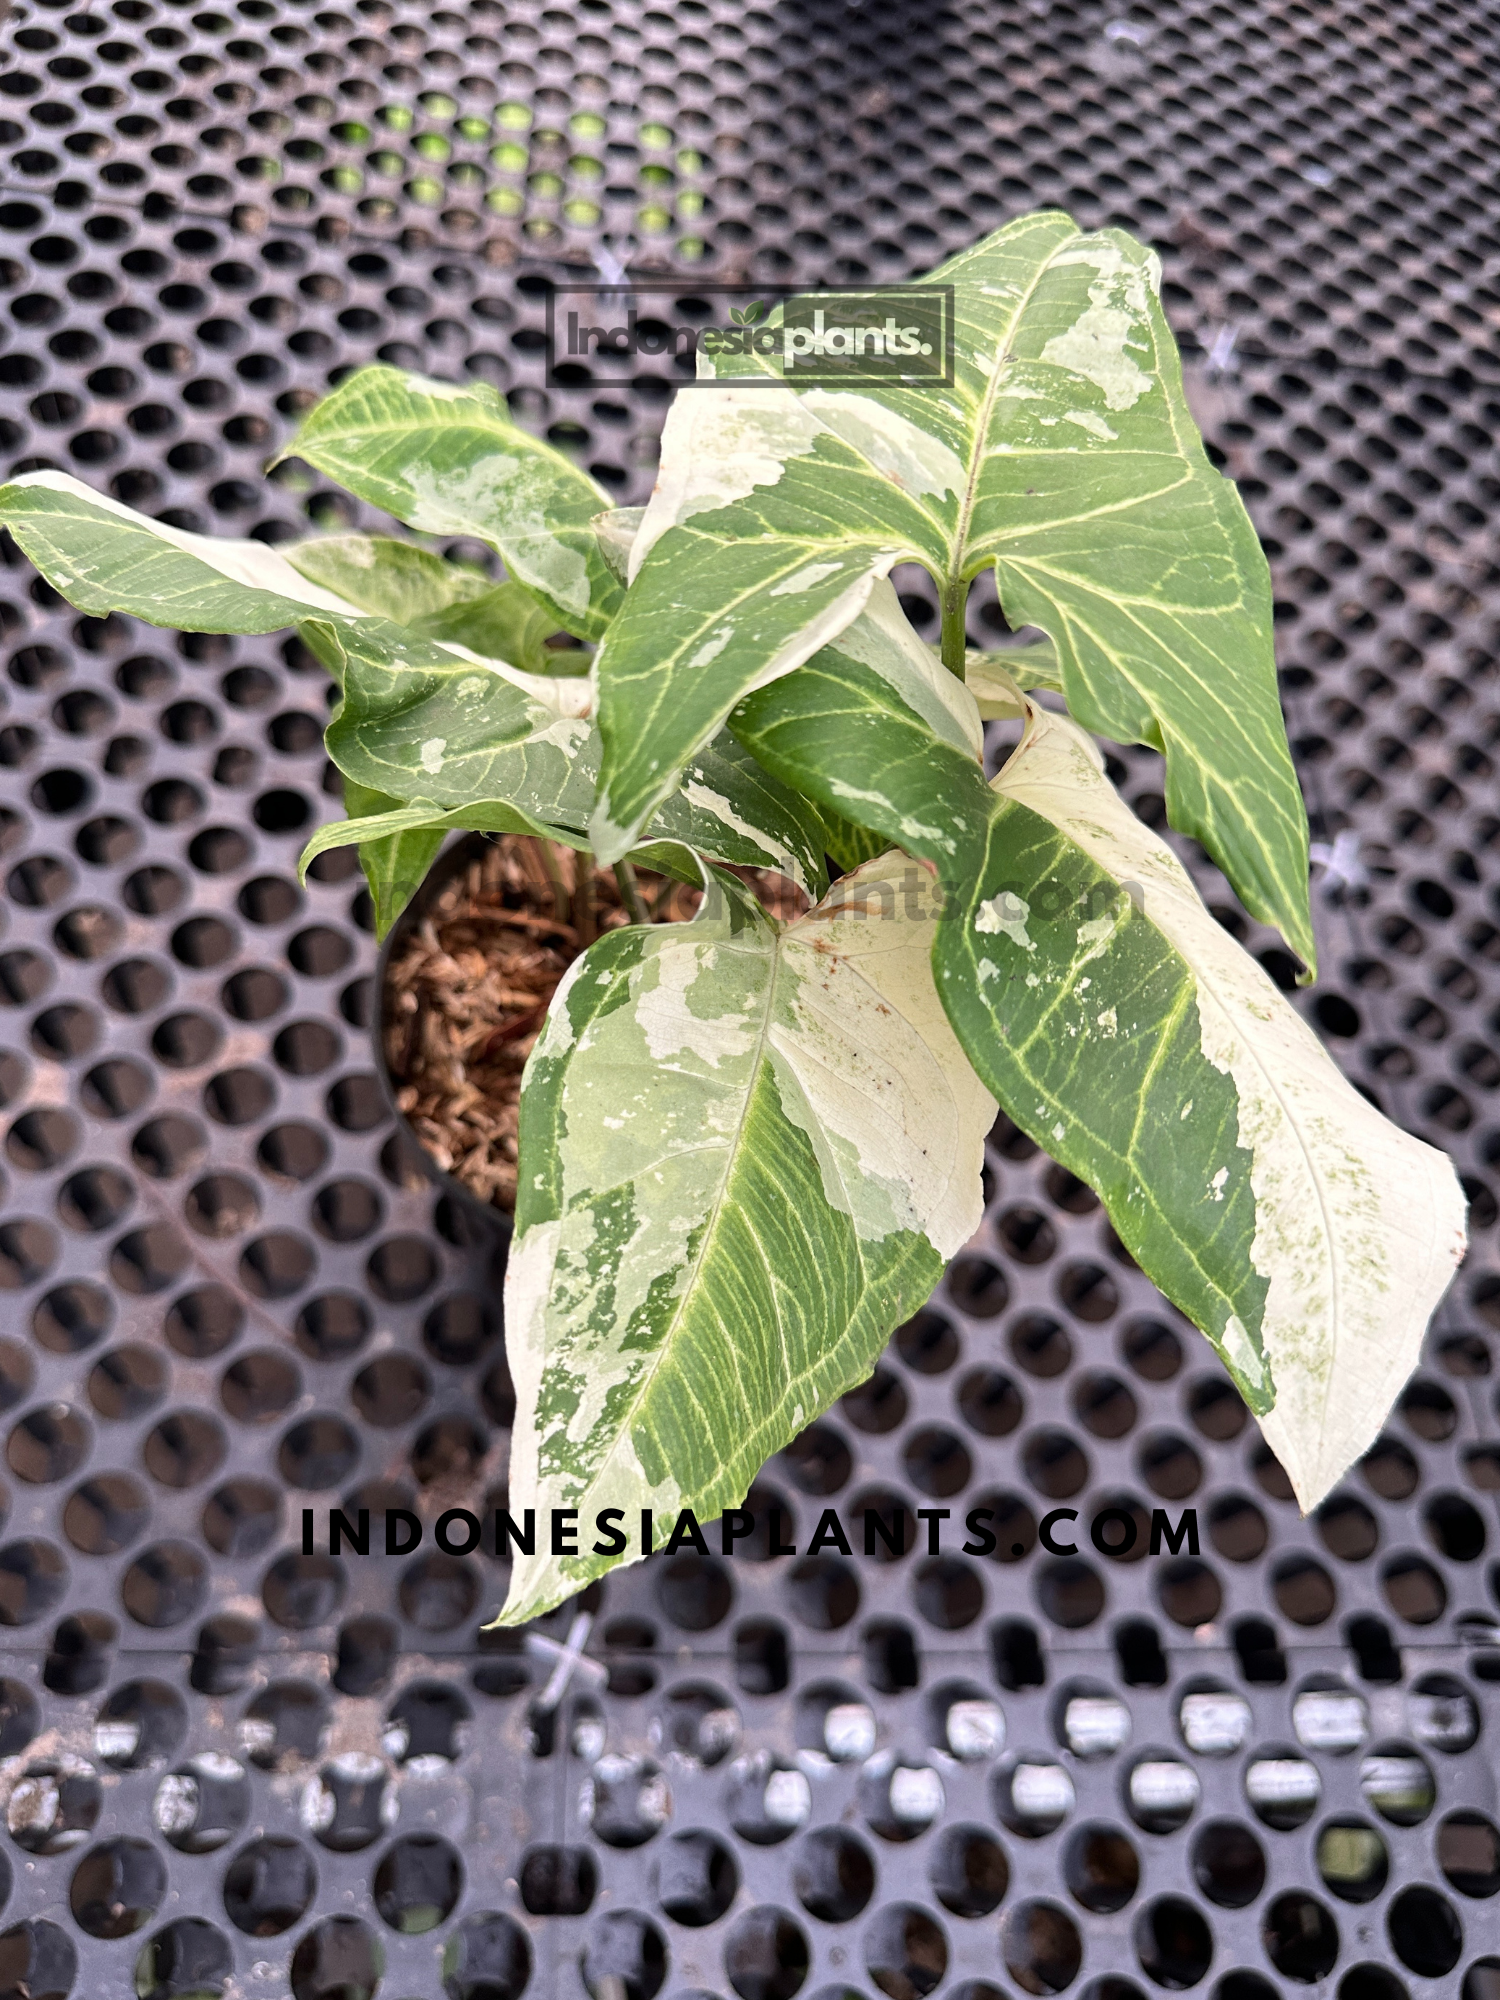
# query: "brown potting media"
467, 990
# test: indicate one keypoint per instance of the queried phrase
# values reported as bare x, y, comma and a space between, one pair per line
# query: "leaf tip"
537, 1587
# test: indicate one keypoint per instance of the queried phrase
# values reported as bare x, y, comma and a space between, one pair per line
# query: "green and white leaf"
1065, 457
684, 834
384, 577
1358, 1226
882, 639
390, 820
418, 833
105, 557
731, 809
748, 1151
876, 731
477, 743
450, 460
1129, 1035
434, 599
395, 860
507, 623
426, 721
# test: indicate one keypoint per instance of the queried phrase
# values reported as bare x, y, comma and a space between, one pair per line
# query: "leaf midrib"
484, 425
983, 413
732, 1150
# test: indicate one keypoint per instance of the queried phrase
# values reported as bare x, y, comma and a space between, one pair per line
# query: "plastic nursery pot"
480, 1220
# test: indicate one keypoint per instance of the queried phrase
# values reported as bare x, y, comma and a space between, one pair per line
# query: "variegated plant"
747, 1147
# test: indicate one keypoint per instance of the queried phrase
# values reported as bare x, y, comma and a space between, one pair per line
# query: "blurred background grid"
228, 1290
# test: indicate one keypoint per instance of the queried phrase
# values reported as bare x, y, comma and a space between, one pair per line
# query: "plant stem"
955, 641
630, 893
562, 907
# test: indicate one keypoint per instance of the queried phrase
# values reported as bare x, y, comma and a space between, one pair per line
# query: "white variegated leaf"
377, 818
427, 721
391, 838
616, 530
1062, 455
1358, 1226
449, 459
458, 741
434, 599
1129, 1035
882, 639
993, 677
747, 1151
103, 556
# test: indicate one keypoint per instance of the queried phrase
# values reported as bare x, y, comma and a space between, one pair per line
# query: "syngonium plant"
747, 1148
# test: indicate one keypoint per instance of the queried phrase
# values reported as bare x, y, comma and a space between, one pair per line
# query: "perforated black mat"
229, 1292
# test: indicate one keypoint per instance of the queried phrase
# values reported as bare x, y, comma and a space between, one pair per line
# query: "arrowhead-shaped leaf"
479, 744
451, 461
1129, 1035
1063, 455
103, 557
422, 720
747, 1152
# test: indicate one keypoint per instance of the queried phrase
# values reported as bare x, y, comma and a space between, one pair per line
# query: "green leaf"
425, 724
395, 863
1129, 1035
403, 824
507, 623
435, 599
1065, 457
850, 845
746, 1153
450, 461
385, 577
105, 557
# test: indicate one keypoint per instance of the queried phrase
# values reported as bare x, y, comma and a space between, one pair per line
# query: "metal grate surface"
229, 1291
